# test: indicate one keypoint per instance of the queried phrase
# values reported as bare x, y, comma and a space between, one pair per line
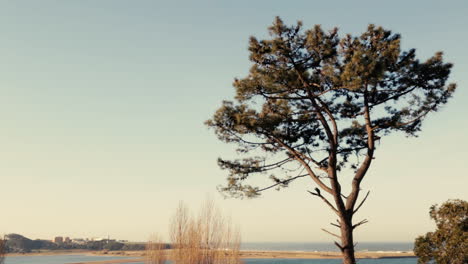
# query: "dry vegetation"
206, 239
154, 251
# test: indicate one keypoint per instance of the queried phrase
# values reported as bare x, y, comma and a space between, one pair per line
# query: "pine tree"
314, 105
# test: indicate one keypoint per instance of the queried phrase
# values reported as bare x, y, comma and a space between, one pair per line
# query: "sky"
102, 105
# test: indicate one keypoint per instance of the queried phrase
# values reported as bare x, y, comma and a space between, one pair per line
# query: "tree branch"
299, 157
328, 232
339, 246
283, 182
245, 141
318, 194
360, 223
283, 97
361, 172
362, 202
411, 121
332, 118
393, 97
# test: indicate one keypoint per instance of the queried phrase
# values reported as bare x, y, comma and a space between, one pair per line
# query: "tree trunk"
347, 244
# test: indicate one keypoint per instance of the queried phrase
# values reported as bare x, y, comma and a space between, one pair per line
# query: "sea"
298, 247
311, 246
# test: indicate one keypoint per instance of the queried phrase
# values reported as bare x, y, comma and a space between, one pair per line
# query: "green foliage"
20, 244
321, 98
448, 244
134, 246
2, 250
113, 245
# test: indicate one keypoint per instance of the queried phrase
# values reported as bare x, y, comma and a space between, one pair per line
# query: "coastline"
320, 254
138, 256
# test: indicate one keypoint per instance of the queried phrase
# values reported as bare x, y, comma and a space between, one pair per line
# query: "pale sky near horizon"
102, 106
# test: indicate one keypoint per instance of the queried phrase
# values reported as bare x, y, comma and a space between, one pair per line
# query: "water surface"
64, 259
331, 261
57, 259
311, 246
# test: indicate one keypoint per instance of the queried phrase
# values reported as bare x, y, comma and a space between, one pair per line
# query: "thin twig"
362, 202
283, 182
360, 223
317, 193
326, 231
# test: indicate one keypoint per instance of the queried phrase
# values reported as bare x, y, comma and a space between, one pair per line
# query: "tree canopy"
312, 92
448, 244
315, 103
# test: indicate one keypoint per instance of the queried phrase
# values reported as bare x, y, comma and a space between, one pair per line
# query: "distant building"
58, 240
97, 239
80, 241
67, 240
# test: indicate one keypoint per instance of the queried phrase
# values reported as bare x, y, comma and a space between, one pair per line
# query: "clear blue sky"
102, 105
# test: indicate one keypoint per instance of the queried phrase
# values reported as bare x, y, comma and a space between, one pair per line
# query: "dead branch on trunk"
339, 246
360, 223
330, 233
361, 203
318, 194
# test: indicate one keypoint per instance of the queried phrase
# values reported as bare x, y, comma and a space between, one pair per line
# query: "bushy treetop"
448, 244
314, 91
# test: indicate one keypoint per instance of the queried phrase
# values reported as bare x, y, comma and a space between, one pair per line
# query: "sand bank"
270, 255
320, 254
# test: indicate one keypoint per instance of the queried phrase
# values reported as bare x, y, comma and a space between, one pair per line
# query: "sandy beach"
320, 255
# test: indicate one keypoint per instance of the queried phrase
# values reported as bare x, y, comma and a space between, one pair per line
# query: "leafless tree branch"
328, 232
317, 193
360, 223
337, 225
362, 202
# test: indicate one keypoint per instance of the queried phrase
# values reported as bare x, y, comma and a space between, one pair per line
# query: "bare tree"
208, 238
179, 229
